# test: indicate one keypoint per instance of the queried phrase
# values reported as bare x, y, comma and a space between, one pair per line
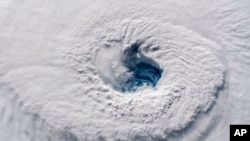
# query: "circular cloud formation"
69, 70
188, 84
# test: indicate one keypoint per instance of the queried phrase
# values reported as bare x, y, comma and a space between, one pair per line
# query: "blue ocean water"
145, 71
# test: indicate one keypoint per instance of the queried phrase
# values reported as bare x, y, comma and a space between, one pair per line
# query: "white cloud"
56, 79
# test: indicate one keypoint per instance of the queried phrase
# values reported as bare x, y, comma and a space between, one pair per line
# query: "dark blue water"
145, 71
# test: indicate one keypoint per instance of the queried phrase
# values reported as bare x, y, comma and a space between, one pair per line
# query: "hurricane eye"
145, 71
129, 69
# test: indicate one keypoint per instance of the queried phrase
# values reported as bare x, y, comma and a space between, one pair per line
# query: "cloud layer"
64, 74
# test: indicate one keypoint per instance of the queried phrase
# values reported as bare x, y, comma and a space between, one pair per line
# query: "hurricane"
123, 70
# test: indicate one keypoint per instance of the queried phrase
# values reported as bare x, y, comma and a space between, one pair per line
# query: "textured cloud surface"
133, 70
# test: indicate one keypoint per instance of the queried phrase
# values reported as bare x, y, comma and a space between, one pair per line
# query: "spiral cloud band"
122, 71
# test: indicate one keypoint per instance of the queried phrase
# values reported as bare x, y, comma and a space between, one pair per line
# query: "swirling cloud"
112, 71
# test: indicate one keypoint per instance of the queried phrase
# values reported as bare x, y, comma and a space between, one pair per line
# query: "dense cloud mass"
132, 70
